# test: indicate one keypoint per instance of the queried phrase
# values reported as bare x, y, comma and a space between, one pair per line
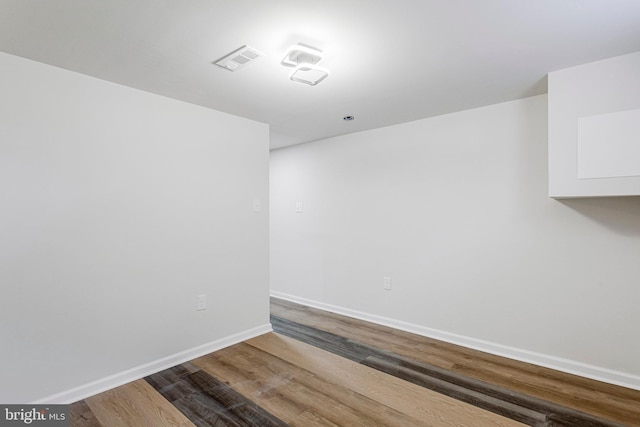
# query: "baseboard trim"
112, 381
559, 364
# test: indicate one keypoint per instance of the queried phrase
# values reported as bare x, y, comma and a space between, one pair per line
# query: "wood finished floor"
329, 370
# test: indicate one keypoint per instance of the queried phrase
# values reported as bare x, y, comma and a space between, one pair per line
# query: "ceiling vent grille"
238, 58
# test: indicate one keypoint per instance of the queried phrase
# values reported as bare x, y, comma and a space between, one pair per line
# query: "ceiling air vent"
238, 58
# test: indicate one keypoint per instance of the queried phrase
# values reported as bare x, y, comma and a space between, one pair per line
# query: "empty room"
330, 213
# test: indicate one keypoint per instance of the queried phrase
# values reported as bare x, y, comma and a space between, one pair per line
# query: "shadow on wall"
619, 214
538, 88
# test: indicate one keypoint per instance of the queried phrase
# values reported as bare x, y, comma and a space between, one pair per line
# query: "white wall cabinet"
594, 129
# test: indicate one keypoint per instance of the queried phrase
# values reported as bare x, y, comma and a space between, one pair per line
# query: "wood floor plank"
207, 401
80, 415
265, 377
417, 402
599, 399
257, 388
518, 406
485, 395
399, 342
300, 385
594, 400
135, 404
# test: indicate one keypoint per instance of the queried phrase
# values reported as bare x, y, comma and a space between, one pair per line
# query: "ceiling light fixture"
301, 54
309, 74
304, 59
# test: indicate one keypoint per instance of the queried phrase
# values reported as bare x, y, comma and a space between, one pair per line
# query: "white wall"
455, 210
581, 162
118, 207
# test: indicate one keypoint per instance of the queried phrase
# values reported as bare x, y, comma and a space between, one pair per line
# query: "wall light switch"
387, 283
299, 207
202, 302
256, 205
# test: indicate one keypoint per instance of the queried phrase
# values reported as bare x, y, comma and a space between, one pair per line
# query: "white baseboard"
564, 365
112, 381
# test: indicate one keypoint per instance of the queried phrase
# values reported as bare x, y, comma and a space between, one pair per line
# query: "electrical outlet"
299, 207
386, 283
202, 303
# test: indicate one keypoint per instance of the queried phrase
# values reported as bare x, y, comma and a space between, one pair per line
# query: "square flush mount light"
300, 54
309, 74
304, 59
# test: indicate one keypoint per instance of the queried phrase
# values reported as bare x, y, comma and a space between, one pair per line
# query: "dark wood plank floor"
602, 400
320, 368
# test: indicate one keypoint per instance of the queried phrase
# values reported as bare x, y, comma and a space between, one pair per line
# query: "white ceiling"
391, 61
